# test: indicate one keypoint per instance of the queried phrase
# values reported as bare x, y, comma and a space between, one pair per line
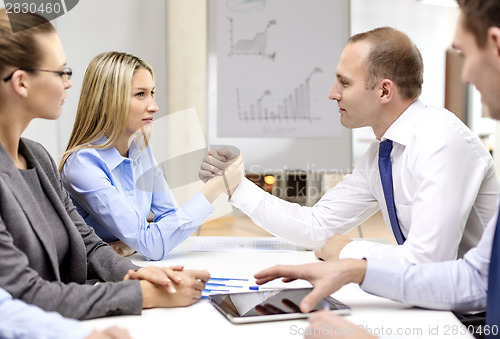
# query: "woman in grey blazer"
47, 251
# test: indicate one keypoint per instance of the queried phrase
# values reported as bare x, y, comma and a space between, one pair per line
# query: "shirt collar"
112, 157
401, 130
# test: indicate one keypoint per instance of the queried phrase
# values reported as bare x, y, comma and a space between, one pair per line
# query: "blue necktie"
385, 168
493, 307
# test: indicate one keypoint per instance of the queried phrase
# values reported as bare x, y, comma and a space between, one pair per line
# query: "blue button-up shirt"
115, 195
22, 321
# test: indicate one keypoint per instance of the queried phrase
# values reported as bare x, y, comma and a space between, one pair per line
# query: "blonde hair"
104, 101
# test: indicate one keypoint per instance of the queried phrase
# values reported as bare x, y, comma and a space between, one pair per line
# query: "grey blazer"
29, 267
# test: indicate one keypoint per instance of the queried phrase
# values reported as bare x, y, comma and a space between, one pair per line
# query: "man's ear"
20, 83
494, 37
387, 89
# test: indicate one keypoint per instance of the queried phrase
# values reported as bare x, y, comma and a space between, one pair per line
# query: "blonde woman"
48, 252
109, 168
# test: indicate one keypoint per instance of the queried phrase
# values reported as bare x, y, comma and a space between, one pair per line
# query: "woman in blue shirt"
21, 321
109, 168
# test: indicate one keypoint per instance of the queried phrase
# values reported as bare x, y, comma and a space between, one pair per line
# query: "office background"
172, 36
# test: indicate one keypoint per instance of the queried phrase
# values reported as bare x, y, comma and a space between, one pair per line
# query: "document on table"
242, 244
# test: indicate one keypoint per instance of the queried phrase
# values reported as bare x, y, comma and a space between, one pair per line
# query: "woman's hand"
188, 290
164, 276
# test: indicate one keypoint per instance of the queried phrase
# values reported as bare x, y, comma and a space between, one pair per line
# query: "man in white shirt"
466, 284
444, 182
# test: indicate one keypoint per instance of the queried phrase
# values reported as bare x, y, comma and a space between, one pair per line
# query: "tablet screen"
269, 305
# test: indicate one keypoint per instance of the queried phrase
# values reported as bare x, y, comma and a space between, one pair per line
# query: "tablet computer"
269, 305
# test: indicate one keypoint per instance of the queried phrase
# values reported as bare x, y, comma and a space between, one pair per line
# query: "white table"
202, 320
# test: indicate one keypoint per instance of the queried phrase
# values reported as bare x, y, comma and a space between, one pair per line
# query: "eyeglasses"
66, 72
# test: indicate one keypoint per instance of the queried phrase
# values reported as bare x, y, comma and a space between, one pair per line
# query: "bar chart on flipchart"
296, 106
276, 64
271, 66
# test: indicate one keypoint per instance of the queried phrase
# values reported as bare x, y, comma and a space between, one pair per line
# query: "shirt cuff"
356, 249
247, 196
198, 208
383, 278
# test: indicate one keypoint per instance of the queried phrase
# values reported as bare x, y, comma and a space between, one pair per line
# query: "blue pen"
214, 284
256, 288
226, 279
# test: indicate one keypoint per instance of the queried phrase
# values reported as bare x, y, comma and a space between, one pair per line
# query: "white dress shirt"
459, 285
445, 192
